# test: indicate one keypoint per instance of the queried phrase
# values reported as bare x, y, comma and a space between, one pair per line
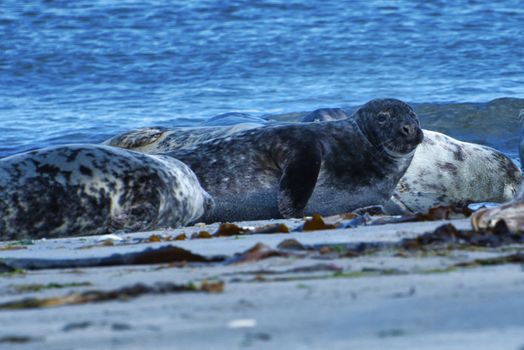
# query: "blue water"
80, 71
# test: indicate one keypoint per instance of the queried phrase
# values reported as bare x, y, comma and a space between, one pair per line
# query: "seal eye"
382, 117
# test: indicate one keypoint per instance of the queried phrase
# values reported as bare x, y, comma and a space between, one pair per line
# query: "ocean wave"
495, 123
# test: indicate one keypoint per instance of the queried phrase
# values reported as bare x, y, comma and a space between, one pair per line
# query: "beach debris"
19, 339
16, 245
154, 239
36, 287
357, 221
448, 235
315, 223
272, 228
370, 210
291, 244
440, 212
227, 229
110, 237
482, 205
123, 293
242, 323
77, 326
258, 252
315, 268
180, 237
201, 235
517, 258
149, 256
6, 269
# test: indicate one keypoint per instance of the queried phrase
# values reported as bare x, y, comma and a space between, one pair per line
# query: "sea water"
81, 71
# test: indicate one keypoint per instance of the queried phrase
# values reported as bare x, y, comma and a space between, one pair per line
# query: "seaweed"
122, 294
161, 255
258, 252
36, 287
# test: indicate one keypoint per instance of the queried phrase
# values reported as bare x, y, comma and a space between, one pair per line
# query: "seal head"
390, 125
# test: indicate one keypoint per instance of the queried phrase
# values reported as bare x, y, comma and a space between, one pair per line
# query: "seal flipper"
298, 181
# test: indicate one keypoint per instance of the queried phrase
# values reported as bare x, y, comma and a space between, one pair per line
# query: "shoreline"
318, 300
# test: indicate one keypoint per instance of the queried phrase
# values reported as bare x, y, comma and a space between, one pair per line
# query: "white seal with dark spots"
446, 171
295, 169
90, 189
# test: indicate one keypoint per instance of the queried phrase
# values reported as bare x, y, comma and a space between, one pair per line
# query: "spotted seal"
446, 171
160, 139
296, 169
92, 189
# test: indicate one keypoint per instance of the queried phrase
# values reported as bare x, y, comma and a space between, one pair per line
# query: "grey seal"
234, 118
92, 189
446, 171
305, 168
160, 139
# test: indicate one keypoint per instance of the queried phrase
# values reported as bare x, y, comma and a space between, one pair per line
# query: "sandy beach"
312, 291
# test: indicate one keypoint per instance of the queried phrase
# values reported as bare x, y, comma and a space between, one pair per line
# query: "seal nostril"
406, 130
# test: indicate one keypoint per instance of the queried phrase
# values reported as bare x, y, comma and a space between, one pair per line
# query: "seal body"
161, 140
91, 189
234, 118
509, 215
446, 171
291, 170
325, 114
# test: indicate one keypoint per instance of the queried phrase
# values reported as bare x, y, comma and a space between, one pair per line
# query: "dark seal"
295, 169
78, 190
446, 171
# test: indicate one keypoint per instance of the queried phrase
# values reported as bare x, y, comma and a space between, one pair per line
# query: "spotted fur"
91, 189
160, 140
289, 170
444, 170
447, 171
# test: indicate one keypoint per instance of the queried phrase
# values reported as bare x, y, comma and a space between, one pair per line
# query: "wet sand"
322, 295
